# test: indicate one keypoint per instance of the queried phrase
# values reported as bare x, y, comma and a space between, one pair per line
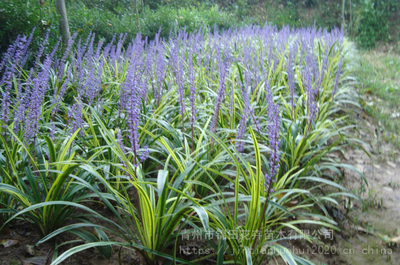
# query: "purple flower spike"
76, 115
160, 71
131, 101
7, 57
119, 139
310, 90
274, 142
52, 131
323, 68
42, 47
223, 69
145, 153
57, 97
25, 52
243, 121
181, 85
4, 115
337, 77
65, 56
193, 90
290, 72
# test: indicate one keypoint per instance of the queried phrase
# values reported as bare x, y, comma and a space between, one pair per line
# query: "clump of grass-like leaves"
215, 132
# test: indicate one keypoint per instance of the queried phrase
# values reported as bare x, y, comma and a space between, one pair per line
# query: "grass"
379, 84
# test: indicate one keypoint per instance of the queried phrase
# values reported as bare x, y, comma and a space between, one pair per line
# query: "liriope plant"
45, 193
148, 224
180, 127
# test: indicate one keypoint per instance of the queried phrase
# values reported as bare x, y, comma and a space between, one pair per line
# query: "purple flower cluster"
274, 142
223, 67
180, 80
311, 91
142, 71
290, 73
75, 115
160, 70
193, 90
323, 68
30, 103
42, 47
243, 120
65, 56
131, 96
119, 139
12, 60
337, 77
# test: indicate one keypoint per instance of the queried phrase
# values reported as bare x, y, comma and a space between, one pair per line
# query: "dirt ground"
370, 230
374, 225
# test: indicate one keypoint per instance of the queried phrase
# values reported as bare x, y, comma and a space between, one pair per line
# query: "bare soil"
376, 222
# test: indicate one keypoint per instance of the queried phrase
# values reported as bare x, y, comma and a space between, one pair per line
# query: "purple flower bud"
119, 46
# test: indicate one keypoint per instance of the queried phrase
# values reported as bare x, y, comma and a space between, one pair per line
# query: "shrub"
372, 24
19, 17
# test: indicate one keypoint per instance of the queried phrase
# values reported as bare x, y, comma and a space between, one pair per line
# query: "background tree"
64, 28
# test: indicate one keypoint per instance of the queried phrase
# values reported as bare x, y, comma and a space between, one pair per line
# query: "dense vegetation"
366, 21
222, 119
223, 134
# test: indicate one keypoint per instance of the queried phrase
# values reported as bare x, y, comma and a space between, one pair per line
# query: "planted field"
220, 142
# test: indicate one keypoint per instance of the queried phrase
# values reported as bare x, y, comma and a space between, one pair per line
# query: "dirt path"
369, 227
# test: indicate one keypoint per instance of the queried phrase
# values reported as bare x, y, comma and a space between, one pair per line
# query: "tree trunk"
351, 19
64, 28
344, 21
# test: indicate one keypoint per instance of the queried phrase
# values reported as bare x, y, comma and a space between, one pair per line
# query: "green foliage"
372, 24
368, 21
18, 17
149, 224
191, 181
35, 188
288, 15
166, 19
301, 3
379, 76
106, 18
102, 22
